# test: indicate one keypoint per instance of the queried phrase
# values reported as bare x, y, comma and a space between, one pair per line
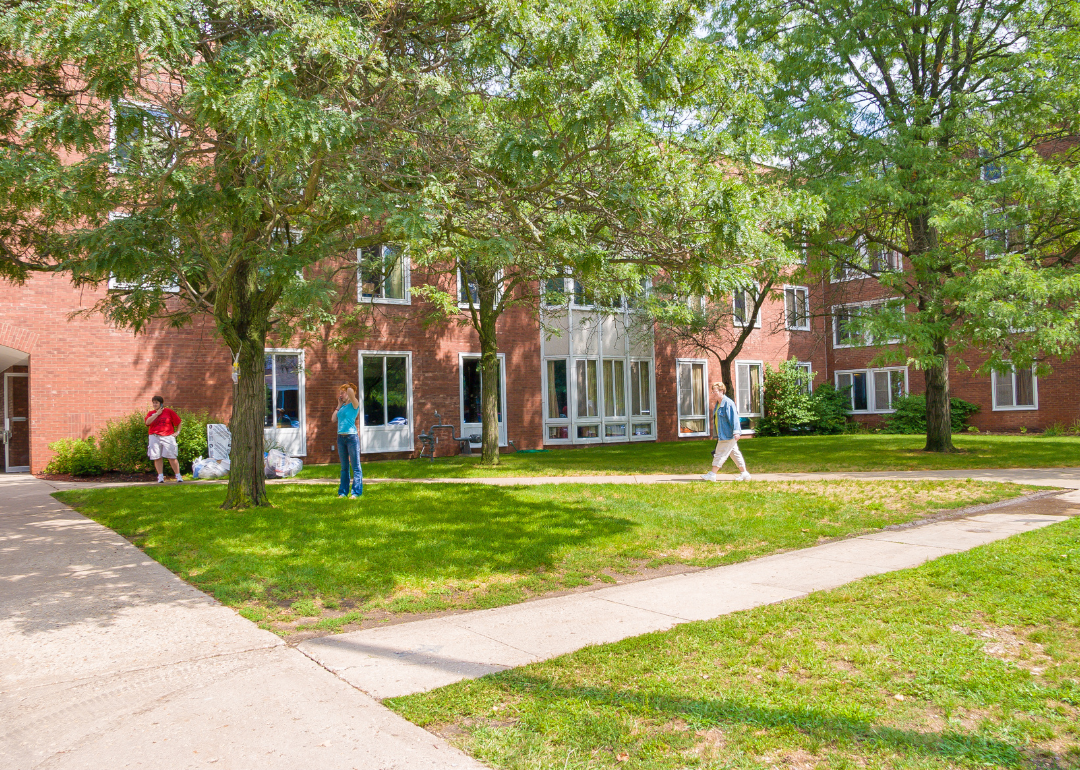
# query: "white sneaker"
160, 479
744, 476
710, 476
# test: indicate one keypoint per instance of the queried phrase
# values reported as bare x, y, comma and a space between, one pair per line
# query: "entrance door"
471, 398
16, 428
387, 402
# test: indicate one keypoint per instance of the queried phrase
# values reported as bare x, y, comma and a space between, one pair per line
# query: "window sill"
384, 301
798, 328
1015, 409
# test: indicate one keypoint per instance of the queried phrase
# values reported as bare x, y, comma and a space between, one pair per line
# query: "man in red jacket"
163, 424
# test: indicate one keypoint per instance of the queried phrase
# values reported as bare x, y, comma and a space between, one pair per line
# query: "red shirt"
166, 423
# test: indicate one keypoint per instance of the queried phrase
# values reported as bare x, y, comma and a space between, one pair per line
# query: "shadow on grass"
824, 726
395, 538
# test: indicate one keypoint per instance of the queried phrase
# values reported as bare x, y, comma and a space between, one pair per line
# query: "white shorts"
161, 447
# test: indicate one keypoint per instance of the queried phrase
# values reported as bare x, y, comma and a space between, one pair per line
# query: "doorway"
16, 425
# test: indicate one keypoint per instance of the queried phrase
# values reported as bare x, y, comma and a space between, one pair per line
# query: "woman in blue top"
728, 428
347, 415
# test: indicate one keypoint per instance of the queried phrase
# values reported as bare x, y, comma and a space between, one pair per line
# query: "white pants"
161, 447
726, 448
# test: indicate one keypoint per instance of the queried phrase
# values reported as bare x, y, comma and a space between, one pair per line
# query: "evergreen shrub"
788, 407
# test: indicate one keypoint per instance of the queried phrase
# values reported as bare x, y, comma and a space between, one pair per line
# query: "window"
1015, 390
580, 297
748, 388
472, 407
797, 307
115, 284
882, 260
873, 390
845, 317
140, 136
806, 373
1001, 237
693, 398
383, 274
614, 387
468, 290
283, 418
742, 305
386, 402
555, 291
640, 389
557, 394
992, 168
586, 388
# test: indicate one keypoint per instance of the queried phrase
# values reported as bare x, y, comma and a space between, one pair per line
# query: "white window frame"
406, 271
301, 399
678, 405
465, 305
571, 290
558, 421
747, 303
544, 294
411, 419
468, 427
808, 367
1022, 408
805, 327
871, 392
114, 166
761, 388
867, 342
117, 285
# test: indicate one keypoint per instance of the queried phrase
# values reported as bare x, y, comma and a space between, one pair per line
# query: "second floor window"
383, 274
797, 307
742, 309
141, 138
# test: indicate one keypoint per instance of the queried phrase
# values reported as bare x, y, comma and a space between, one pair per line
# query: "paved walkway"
108, 660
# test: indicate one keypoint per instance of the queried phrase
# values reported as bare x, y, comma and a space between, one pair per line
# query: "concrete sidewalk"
108, 660
420, 656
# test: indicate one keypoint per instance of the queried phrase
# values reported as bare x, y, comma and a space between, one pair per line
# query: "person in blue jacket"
727, 427
347, 416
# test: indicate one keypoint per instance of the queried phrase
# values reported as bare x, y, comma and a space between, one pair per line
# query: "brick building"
572, 374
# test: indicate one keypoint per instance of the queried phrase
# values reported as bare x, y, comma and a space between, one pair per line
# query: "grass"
319, 563
970, 661
807, 454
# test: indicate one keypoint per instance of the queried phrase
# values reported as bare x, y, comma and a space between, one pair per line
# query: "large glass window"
386, 390
383, 274
640, 389
142, 138
743, 307
693, 397
468, 288
873, 390
748, 389
282, 385
472, 391
614, 387
586, 388
558, 399
797, 307
1015, 390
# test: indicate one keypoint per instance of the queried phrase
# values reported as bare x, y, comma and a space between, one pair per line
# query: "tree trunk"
938, 411
489, 378
242, 312
725, 372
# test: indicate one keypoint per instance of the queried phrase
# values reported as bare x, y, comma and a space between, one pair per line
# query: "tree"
219, 151
595, 154
939, 134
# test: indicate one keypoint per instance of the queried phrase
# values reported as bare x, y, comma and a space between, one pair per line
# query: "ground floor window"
284, 423
472, 406
693, 378
1015, 390
806, 374
598, 399
749, 390
386, 402
874, 390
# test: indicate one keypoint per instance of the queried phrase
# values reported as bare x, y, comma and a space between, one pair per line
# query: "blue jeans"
348, 448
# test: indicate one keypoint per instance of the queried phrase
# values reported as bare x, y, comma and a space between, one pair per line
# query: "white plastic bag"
278, 465
213, 469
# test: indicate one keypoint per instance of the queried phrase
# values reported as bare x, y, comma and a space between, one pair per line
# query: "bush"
123, 445
788, 407
910, 415
830, 407
79, 457
123, 442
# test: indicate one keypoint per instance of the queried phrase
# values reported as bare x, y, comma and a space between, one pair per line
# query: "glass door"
386, 402
284, 424
16, 425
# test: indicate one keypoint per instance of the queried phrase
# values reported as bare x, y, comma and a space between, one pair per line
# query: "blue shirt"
725, 420
346, 418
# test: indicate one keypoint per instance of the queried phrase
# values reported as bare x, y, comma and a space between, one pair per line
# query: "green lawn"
970, 661
327, 563
859, 452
